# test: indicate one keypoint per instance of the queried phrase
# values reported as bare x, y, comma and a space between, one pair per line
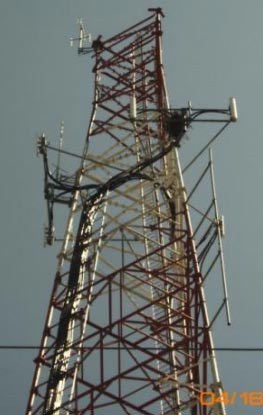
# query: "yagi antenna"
83, 38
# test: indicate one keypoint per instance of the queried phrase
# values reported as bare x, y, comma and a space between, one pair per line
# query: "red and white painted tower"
127, 328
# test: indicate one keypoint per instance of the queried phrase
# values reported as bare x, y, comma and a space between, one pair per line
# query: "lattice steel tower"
127, 328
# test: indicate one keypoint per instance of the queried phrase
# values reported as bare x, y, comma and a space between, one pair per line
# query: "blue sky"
212, 50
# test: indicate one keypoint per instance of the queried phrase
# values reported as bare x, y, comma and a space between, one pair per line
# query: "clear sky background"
212, 50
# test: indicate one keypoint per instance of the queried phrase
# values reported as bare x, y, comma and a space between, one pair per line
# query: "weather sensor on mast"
83, 39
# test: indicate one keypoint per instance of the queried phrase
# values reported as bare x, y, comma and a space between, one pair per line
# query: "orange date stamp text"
253, 398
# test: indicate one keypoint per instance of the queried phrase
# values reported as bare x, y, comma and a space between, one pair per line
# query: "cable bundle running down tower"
127, 328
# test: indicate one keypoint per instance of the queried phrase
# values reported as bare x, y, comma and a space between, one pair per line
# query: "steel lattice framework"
127, 329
